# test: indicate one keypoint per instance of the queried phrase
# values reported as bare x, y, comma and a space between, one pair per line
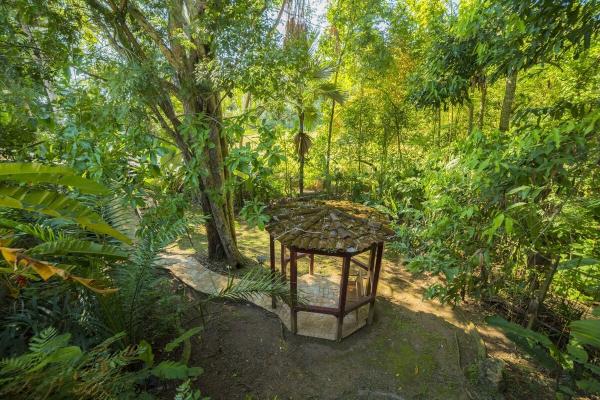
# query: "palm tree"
307, 84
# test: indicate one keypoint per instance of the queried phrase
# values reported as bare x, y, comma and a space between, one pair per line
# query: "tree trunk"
507, 103
126, 36
328, 156
482, 104
471, 112
540, 296
384, 154
301, 153
439, 126
330, 126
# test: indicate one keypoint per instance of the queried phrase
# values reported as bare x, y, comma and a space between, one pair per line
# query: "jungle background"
128, 125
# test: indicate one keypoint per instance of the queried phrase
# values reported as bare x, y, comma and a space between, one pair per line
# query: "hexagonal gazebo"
306, 228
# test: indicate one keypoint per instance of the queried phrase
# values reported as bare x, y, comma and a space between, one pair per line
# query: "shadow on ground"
416, 349
247, 353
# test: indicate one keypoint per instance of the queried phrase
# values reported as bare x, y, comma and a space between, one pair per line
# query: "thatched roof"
328, 226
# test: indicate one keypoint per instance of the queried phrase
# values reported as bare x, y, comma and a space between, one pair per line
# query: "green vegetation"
124, 125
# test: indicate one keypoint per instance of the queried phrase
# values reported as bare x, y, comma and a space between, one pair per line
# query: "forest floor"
416, 349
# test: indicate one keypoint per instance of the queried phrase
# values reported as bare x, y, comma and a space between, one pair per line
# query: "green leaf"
77, 246
58, 175
510, 327
589, 385
172, 345
515, 205
578, 262
508, 225
57, 205
241, 174
146, 354
586, 331
519, 189
577, 352
175, 370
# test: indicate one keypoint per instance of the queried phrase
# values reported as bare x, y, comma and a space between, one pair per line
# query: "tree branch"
155, 36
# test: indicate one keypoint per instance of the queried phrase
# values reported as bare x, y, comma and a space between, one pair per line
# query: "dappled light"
299, 199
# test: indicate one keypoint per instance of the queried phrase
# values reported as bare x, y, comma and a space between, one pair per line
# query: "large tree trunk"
165, 95
507, 103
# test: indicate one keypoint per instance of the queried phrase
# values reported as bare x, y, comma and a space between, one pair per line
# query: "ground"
416, 349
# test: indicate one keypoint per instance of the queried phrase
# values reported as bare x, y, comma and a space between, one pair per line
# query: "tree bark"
540, 295
328, 156
471, 109
330, 126
301, 154
507, 103
123, 34
482, 104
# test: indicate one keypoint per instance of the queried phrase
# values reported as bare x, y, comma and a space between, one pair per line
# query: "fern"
78, 247
256, 282
142, 284
54, 369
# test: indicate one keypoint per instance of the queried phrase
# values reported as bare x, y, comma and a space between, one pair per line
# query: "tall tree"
184, 47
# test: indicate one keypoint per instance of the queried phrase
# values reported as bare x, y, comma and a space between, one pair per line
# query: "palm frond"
57, 205
331, 91
254, 283
302, 142
58, 175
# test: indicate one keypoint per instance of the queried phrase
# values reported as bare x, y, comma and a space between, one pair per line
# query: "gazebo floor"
313, 289
323, 291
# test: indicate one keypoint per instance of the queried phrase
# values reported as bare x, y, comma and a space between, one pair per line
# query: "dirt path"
416, 349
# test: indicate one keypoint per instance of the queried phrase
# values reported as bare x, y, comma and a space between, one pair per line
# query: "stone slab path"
317, 290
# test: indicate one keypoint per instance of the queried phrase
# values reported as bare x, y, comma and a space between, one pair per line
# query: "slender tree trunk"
482, 105
301, 154
439, 126
384, 154
328, 156
507, 103
470, 121
330, 125
540, 295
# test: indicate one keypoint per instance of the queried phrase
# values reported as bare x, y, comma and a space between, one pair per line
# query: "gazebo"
306, 228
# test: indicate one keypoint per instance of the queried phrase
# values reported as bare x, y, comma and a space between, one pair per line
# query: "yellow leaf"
89, 283
43, 269
10, 255
47, 270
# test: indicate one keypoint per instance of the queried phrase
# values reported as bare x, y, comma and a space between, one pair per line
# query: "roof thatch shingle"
329, 226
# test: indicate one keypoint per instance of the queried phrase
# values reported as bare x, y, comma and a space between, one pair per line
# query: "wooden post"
311, 268
294, 290
371, 269
282, 260
375, 282
342, 300
272, 259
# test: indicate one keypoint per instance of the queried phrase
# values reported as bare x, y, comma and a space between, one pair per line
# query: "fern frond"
77, 247
256, 282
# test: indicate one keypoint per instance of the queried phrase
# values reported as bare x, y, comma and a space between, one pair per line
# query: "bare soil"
416, 349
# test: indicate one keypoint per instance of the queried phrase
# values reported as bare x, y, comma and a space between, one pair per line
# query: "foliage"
575, 370
53, 369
